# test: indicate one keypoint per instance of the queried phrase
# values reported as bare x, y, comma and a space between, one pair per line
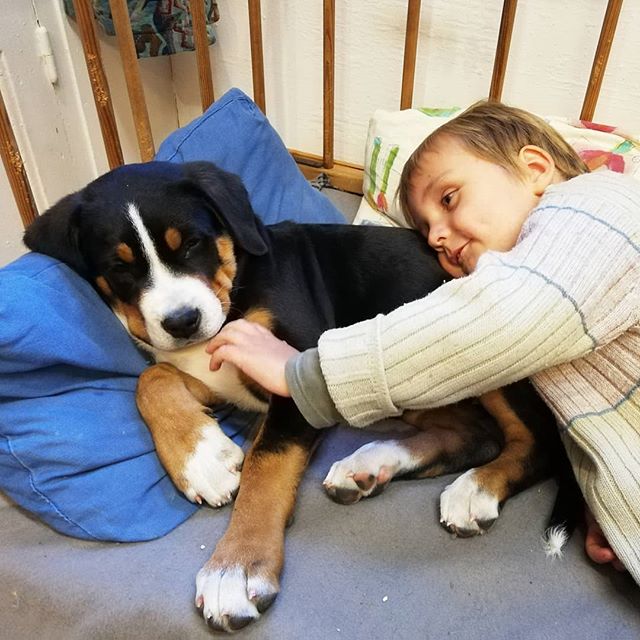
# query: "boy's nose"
437, 235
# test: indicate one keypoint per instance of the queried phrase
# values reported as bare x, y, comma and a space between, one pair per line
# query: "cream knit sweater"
563, 306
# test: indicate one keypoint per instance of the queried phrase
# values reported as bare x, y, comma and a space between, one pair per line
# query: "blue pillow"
73, 448
234, 134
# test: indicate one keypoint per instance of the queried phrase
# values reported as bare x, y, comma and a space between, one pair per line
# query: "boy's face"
465, 205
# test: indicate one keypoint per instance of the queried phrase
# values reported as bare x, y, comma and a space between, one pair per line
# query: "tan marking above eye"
125, 253
173, 238
103, 285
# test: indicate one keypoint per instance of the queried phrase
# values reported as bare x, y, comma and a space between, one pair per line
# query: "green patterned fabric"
160, 27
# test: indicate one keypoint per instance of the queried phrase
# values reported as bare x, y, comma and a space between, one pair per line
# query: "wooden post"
129, 58
257, 57
502, 49
601, 58
329, 81
99, 84
14, 168
202, 52
410, 49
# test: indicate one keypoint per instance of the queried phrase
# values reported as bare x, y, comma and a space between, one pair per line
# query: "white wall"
551, 55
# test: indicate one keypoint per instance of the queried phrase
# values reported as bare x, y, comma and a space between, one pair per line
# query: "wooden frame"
342, 175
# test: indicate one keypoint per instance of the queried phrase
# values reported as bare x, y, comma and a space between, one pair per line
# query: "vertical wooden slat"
99, 84
202, 52
329, 23
502, 49
601, 58
410, 49
127, 47
14, 168
257, 57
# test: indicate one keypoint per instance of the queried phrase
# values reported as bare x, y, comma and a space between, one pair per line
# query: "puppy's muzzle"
183, 322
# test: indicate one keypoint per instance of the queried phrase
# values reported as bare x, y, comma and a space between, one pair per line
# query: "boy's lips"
455, 255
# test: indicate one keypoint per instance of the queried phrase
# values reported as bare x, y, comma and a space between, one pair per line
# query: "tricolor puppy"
176, 251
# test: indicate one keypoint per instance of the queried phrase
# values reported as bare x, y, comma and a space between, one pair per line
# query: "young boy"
551, 259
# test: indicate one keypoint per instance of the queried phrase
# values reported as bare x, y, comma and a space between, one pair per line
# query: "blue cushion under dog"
73, 448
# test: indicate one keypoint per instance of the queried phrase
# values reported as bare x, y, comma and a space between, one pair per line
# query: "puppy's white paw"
212, 472
229, 599
465, 508
366, 472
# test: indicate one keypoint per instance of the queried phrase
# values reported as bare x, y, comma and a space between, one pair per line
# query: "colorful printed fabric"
160, 27
601, 146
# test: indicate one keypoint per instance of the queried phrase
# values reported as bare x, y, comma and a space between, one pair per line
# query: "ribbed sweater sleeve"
569, 286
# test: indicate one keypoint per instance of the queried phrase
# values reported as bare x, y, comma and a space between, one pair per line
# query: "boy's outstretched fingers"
255, 351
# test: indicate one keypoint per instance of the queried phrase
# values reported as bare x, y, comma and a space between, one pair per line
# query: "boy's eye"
447, 199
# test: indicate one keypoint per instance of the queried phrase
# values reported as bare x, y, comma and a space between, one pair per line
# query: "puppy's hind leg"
449, 440
470, 505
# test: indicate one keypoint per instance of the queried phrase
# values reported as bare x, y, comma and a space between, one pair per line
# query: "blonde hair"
495, 132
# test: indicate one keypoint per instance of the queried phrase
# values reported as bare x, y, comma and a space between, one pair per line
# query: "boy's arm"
309, 390
569, 286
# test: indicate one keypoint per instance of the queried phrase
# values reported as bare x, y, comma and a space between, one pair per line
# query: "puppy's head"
160, 242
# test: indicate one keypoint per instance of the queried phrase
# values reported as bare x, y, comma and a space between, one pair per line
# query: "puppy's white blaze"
211, 471
554, 540
168, 292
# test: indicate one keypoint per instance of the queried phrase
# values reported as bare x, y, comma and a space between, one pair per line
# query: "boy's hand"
255, 351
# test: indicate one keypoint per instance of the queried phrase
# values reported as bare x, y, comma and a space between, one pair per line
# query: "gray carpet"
382, 568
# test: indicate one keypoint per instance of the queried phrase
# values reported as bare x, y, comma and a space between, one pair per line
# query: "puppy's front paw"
466, 509
232, 596
212, 471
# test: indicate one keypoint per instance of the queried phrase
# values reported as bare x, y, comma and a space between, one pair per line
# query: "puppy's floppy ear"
229, 201
56, 233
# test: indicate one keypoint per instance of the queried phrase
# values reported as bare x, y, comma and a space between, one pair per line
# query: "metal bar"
137, 102
14, 168
410, 49
99, 84
202, 52
502, 49
257, 56
329, 81
600, 59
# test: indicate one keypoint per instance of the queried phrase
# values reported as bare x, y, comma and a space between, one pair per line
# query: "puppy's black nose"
182, 323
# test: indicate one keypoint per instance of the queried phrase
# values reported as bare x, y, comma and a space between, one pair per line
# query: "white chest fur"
225, 382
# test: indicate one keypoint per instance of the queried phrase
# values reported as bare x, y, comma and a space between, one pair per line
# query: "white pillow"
366, 214
393, 136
